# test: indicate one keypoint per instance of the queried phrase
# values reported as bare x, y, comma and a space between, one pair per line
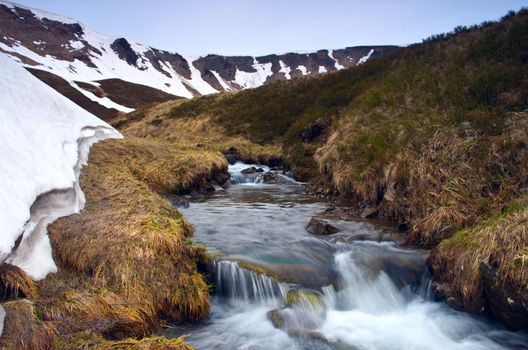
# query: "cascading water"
336, 292
232, 281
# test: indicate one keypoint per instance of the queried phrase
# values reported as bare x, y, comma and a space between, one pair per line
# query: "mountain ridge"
76, 53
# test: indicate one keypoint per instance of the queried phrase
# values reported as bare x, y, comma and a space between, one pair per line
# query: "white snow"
249, 80
77, 45
197, 81
303, 70
365, 58
108, 65
104, 101
40, 14
337, 65
322, 69
222, 82
45, 139
285, 69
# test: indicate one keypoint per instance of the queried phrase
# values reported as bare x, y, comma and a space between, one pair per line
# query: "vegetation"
427, 134
501, 239
433, 137
197, 133
125, 263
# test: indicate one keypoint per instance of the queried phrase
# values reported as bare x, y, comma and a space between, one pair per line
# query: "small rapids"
275, 286
236, 283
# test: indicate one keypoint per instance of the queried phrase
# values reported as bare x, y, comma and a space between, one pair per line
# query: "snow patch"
76, 45
40, 14
322, 69
103, 101
197, 81
249, 80
285, 69
337, 65
365, 58
45, 141
303, 70
221, 81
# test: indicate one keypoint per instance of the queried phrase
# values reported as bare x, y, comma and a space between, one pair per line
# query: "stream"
276, 286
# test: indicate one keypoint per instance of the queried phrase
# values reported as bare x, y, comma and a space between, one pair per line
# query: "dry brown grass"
24, 330
129, 245
450, 182
16, 283
195, 133
503, 239
88, 340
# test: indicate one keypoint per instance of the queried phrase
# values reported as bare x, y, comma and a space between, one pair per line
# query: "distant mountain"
106, 75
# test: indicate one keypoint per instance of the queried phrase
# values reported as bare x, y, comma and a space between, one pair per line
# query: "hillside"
97, 71
432, 137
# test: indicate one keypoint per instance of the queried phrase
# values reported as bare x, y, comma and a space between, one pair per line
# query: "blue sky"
274, 26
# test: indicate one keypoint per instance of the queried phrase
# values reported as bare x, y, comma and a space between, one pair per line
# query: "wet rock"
270, 177
306, 299
320, 227
369, 212
403, 227
250, 171
507, 303
178, 201
277, 318
221, 177
301, 333
197, 195
330, 209
232, 155
231, 159
218, 188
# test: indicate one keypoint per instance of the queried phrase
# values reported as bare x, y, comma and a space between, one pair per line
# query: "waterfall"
237, 283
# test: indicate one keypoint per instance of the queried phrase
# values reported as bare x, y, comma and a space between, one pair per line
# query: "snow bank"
365, 58
44, 142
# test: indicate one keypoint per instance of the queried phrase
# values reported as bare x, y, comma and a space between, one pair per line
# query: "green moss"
514, 207
461, 237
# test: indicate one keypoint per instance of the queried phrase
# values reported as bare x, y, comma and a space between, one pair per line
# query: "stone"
178, 201
276, 317
231, 159
506, 303
218, 188
270, 177
197, 195
320, 227
249, 171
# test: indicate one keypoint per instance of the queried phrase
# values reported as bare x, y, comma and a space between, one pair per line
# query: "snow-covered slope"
44, 141
73, 51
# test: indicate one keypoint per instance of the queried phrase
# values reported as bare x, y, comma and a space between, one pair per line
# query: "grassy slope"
433, 136
125, 262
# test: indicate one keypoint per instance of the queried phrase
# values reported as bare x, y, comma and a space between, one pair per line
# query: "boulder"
307, 299
249, 171
506, 302
270, 177
231, 159
276, 317
178, 201
320, 227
